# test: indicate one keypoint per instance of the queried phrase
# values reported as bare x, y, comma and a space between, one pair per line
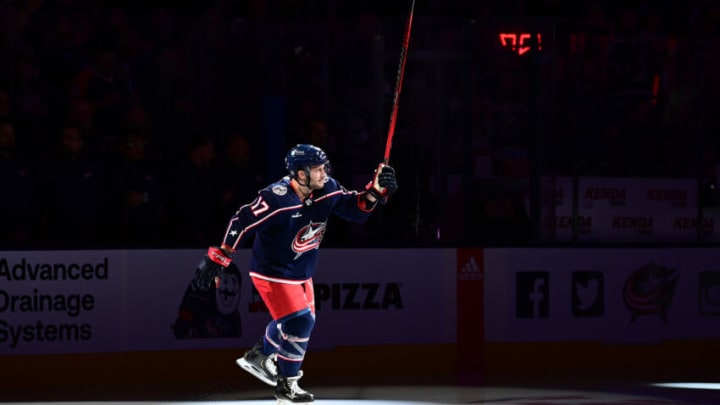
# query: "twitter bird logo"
587, 294
587, 287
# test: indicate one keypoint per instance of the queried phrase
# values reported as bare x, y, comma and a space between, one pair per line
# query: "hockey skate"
288, 392
261, 366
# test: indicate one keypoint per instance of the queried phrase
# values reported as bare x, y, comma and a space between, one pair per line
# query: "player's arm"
357, 206
262, 212
210, 268
244, 223
383, 185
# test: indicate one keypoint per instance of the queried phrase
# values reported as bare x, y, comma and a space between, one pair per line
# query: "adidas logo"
470, 271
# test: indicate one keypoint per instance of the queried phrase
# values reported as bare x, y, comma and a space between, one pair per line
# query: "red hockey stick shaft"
398, 83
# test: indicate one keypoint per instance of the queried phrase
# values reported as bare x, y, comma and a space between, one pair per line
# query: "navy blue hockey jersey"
287, 230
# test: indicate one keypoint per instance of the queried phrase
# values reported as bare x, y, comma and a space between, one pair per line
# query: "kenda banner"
601, 294
114, 301
601, 209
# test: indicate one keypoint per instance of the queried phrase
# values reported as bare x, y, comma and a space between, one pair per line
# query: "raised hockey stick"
398, 83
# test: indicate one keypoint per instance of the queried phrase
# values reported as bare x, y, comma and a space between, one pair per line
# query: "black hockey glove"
384, 184
210, 269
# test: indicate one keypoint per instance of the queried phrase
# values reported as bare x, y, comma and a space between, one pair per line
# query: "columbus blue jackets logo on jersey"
308, 238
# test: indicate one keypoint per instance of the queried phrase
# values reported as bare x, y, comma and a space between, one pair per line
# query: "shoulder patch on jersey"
279, 190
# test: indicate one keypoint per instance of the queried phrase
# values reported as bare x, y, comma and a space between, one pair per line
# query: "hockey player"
288, 220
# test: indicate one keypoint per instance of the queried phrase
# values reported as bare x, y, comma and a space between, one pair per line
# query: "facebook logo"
532, 294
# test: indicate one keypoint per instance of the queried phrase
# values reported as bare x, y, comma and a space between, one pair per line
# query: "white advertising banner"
619, 210
114, 301
60, 301
600, 294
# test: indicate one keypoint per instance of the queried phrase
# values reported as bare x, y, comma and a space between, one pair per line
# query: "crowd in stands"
146, 124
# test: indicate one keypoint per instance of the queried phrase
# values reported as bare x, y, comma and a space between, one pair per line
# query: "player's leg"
294, 335
261, 362
261, 359
285, 300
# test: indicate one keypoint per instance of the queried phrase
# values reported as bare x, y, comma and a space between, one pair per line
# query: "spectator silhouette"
169, 99
75, 187
30, 113
194, 194
109, 92
137, 200
18, 178
239, 175
501, 218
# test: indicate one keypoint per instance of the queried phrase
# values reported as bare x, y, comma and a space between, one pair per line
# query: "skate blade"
254, 372
288, 402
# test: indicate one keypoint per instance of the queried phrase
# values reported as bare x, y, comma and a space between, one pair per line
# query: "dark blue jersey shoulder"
288, 230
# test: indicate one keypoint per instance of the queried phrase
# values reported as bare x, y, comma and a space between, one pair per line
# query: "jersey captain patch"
308, 238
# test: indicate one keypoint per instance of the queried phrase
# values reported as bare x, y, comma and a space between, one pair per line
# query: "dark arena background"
553, 239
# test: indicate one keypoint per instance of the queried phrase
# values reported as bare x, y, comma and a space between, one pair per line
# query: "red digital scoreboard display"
520, 43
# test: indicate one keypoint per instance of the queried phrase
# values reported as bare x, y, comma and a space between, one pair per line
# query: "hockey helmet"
303, 157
